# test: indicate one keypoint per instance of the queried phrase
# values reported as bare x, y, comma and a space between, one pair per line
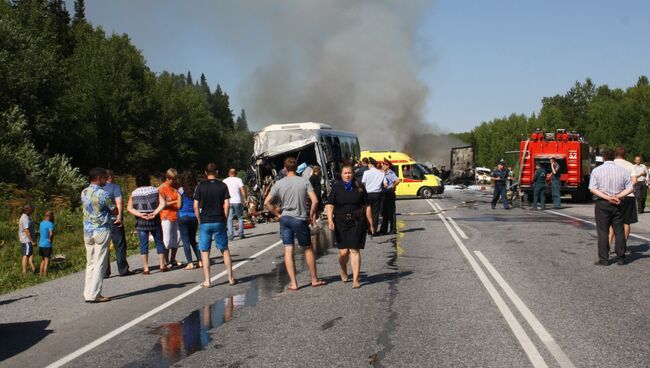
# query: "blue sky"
480, 59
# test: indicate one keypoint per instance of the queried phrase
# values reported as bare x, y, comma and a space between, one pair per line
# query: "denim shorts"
157, 239
291, 227
28, 249
216, 230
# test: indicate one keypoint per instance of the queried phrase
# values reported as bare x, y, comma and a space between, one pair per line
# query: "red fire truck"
569, 149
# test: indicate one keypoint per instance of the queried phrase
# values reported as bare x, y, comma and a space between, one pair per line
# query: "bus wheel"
426, 192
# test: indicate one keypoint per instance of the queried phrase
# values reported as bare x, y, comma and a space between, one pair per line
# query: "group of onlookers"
170, 214
174, 212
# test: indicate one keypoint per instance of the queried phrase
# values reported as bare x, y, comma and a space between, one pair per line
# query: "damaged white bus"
310, 143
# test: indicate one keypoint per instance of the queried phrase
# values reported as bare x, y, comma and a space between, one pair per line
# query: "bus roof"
297, 126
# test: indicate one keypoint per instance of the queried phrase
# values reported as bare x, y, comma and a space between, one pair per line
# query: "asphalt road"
461, 285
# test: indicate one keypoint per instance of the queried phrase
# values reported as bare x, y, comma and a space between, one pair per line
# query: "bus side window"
337, 149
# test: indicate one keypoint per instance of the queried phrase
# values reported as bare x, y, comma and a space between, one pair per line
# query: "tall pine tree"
79, 12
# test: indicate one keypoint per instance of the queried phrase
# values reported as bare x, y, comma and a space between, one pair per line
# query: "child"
26, 235
45, 242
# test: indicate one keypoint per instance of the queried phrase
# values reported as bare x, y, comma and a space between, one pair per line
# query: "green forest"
73, 97
607, 117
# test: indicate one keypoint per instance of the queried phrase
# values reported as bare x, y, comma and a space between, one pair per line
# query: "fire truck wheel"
426, 192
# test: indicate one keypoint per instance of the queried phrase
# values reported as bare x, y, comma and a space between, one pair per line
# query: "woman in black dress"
350, 217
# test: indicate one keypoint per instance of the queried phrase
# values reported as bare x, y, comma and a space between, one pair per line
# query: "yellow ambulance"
417, 180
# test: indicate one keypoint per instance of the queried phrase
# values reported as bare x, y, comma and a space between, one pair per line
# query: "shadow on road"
384, 277
9, 301
637, 252
20, 336
151, 290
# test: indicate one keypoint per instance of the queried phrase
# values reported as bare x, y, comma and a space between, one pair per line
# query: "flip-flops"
319, 283
292, 289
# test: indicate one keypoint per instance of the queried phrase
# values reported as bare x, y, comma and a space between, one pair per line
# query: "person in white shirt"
641, 187
237, 193
373, 179
628, 203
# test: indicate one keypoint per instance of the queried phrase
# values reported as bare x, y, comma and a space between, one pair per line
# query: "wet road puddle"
180, 339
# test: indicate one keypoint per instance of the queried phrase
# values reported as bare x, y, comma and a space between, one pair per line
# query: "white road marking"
460, 232
79, 352
541, 332
529, 348
589, 222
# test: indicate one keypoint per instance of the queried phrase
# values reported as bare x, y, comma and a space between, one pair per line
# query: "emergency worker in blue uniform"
555, 183
539, 188
500, 178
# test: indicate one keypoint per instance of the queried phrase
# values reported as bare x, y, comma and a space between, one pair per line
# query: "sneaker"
99, 299
601, 263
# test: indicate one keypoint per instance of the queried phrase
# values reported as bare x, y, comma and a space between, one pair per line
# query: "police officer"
539, 190
500, 178
555, 183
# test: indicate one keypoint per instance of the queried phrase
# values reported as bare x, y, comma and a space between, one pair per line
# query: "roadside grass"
68, 250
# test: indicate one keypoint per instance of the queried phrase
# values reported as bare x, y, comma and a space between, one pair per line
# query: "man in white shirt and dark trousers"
237, 197
373, 179
641, 187
611, 184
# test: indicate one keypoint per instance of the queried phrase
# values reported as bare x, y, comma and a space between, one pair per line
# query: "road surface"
461, 285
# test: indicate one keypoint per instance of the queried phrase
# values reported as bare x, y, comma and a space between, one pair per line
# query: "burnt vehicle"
462, 165
310, 143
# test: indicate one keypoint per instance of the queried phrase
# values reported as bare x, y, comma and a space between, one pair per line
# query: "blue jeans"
157, 238
187, 226
216, 230
236, 209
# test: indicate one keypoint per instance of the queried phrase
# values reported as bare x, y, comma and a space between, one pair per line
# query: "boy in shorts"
292, 190
211, 206
26, 236
45, 242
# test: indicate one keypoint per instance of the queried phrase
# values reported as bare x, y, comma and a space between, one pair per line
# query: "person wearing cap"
388, 220
500, 178
373, 180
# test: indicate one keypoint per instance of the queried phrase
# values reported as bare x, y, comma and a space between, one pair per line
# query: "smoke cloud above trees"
354, 65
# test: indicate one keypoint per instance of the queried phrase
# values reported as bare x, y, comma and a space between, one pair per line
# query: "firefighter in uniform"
500, 178
539, 190
555, 183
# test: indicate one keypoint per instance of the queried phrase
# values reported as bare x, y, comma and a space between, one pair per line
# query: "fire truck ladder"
521, 168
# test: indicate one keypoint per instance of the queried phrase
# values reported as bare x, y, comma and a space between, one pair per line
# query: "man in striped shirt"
610, 183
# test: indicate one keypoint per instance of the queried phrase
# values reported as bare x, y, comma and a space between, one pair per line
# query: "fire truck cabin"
569, 149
